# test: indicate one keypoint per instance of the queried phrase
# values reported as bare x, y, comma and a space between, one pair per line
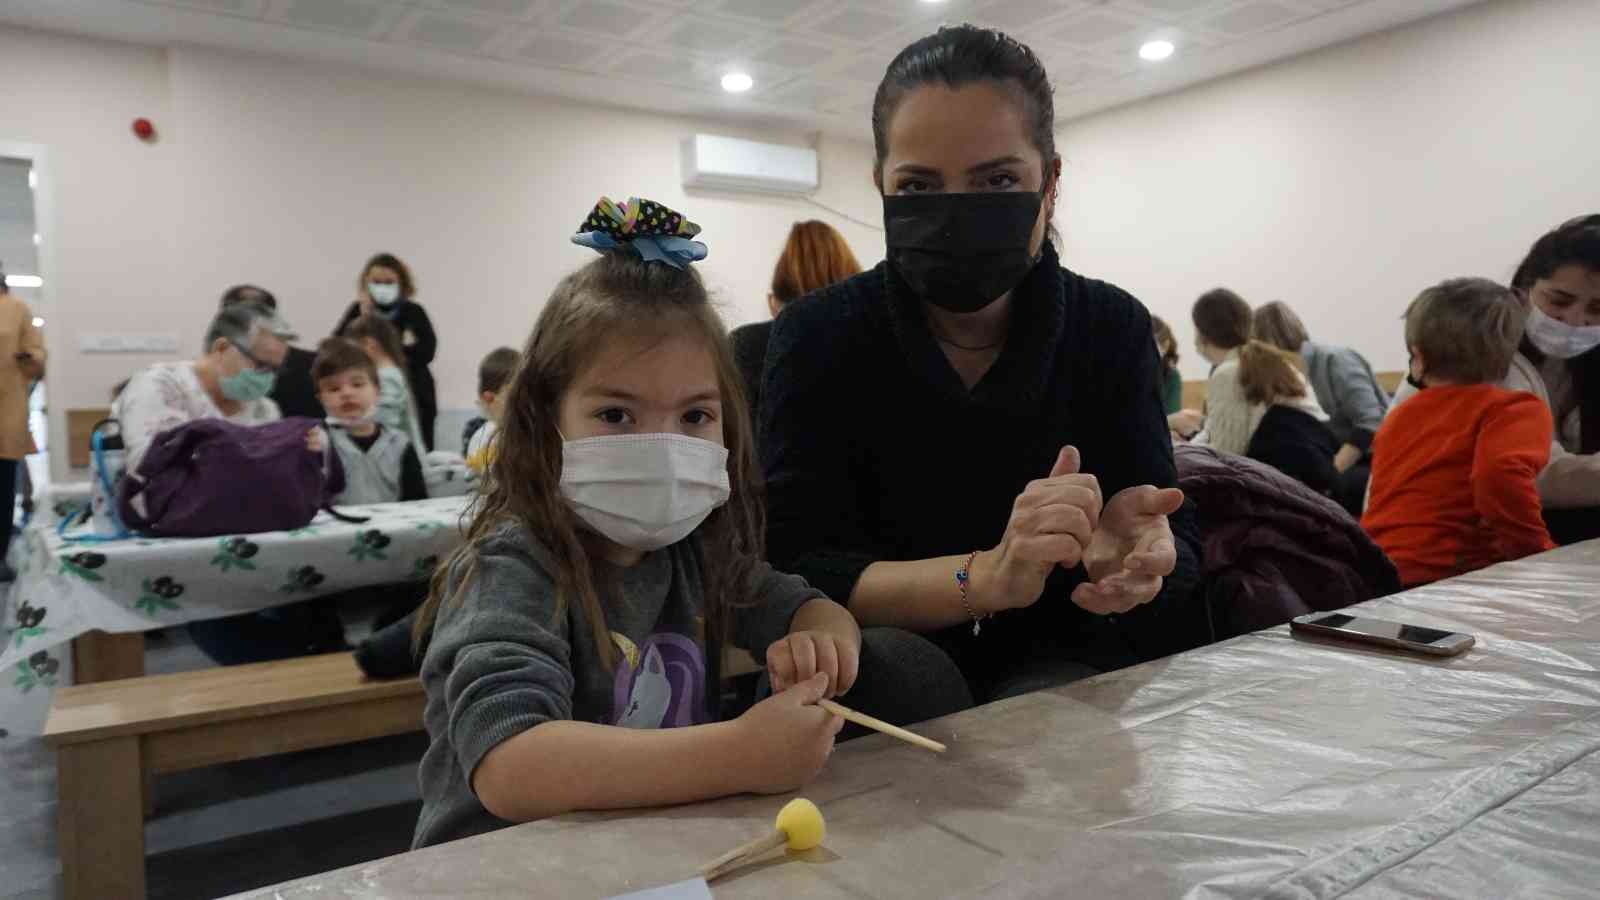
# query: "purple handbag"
211, 477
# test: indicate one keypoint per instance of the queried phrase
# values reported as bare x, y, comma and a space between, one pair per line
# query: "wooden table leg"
102, 656
108, 656
100, 825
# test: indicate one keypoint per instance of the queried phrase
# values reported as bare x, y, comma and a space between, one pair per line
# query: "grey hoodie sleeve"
774, 597
499, 660
1358, 398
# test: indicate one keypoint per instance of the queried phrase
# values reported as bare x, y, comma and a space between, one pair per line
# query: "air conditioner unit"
731, 164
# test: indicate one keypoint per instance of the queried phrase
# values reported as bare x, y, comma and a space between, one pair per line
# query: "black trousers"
1573, 526
8, 488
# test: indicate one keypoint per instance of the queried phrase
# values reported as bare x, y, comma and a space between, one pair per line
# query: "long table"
1270, 765
101, 596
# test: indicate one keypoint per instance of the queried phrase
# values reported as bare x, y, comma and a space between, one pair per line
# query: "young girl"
396, 407
576, 635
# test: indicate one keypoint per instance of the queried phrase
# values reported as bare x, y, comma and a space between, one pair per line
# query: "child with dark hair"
380, 464
493, 374
1454, 469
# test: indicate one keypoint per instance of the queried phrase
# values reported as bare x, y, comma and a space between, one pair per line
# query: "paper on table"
693, 889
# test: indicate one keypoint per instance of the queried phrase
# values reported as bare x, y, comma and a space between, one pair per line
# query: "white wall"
291, 175
1345, 181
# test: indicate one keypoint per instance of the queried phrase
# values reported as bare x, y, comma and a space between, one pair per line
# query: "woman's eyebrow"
992, 164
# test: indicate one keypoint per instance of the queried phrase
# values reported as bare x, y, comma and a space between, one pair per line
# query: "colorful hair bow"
652, 230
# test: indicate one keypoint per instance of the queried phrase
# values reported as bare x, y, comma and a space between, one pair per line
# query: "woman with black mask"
969, 440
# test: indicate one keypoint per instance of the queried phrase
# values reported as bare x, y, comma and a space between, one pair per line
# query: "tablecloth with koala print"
65, 587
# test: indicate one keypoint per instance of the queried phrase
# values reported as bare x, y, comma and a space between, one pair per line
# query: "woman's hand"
787, 738
1051, 525
1131, 551
1186, 423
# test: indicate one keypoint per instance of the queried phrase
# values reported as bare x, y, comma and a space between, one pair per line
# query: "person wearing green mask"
244, 347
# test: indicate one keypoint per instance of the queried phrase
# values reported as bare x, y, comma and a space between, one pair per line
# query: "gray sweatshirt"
1349, 392
501, 662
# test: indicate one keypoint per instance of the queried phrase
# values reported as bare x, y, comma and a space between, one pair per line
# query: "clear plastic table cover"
1267, 766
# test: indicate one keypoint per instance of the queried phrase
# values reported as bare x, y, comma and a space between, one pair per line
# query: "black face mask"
1411, 379
961, 252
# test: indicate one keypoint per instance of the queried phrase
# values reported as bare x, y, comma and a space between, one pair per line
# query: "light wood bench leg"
102, 656
100, 819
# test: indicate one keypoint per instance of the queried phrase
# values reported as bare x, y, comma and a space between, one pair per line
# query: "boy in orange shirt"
1453, 467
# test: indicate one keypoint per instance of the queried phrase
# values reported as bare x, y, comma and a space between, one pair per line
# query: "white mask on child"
644, 491
1556, 338
354, 422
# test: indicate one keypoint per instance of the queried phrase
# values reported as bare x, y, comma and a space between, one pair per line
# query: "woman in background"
21, 364
1559, 362
1171, 380
815, 256
1257, 402
1346, 389
387, 289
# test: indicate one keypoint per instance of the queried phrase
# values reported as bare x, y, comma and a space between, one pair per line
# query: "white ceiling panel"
815, 62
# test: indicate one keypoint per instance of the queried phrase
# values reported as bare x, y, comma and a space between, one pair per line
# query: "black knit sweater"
875, 450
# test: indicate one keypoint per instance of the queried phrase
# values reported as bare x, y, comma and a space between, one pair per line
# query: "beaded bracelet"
963, 576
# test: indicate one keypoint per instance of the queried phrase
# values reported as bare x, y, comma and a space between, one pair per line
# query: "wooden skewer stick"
737, 857
894, 731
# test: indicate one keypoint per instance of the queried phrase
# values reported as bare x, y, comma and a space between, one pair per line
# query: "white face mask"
383, 294
356, 422
644, 491
1557, 339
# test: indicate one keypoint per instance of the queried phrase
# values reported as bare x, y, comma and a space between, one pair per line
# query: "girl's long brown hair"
618, 296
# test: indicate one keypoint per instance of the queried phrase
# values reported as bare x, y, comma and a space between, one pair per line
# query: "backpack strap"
97, 442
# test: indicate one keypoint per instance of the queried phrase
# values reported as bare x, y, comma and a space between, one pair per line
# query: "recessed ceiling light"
29, 281
38, 322
1156, 50
737, 82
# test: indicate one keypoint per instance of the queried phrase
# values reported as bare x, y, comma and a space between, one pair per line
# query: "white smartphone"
1415, 638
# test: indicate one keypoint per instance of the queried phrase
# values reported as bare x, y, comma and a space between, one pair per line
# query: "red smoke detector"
144, 129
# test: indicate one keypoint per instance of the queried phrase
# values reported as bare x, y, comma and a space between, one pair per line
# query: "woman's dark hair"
408, 287
959, 55
1576, 241
1223, 318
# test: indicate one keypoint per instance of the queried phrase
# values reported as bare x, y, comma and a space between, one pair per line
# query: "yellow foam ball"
801, 823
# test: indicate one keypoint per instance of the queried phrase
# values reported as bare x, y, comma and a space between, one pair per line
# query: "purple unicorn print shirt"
505, 657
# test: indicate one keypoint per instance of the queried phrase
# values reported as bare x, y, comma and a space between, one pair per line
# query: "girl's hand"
1051, 525
365, 302
794, 659
786, 739
1131, 551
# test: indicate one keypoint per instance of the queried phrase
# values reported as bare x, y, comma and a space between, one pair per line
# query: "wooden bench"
112, 736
